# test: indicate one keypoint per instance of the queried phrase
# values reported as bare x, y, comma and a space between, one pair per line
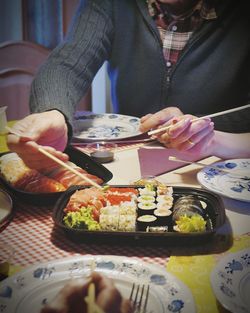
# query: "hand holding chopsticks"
103, 294
164, 128
60, 162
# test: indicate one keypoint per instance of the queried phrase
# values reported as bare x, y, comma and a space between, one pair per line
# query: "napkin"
155, 161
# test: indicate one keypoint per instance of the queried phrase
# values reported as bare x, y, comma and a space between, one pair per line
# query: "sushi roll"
147, 190
144, 221
165, 201
146, 199
164, 205
146, 208
187, 205
189, 215
128, 208
157, 229
109, 222
163, 189
164, 217
127, 223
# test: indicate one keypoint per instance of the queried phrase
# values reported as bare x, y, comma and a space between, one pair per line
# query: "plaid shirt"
176, 31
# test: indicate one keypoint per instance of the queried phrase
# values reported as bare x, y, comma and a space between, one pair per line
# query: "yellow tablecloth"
195, 271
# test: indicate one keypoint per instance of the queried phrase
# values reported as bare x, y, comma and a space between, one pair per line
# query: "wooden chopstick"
232, 173
58, 161
92, 306
71, 169
164, 128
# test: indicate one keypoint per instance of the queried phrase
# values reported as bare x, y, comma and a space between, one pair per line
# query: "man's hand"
48, 129
187, 135
152, 121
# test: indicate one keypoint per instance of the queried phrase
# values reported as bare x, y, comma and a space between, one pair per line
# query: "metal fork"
138, 298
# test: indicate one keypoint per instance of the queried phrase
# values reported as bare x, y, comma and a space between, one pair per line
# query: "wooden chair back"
19, 63
14, 92
22, 54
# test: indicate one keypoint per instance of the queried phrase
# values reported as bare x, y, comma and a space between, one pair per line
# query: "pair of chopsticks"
232, 173
92, 307
58, 161
164, 128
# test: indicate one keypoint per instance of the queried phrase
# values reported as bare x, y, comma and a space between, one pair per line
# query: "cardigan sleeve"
67, 74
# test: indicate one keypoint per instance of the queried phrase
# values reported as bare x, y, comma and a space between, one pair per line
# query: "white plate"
230, 280
28, 290
94, 127
225, 184
5, 207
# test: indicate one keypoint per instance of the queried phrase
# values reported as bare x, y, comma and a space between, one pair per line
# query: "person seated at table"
198, 137
71, 298
173, 58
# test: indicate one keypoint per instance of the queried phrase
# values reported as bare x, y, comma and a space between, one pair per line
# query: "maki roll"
157, 229
187, 205
147, 190
146, 208
146, 199
164, 202
189, 215
164, 217
144, 221
163, 189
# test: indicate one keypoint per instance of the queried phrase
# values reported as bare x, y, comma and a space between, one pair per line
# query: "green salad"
81, 219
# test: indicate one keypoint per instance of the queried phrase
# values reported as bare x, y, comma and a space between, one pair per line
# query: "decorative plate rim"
209, 182
107, 117
226, 276
178, 295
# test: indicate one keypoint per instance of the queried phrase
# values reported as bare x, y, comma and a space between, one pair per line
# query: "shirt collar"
204, 8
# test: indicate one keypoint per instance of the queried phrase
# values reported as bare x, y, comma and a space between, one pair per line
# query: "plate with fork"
31, 289
231, 179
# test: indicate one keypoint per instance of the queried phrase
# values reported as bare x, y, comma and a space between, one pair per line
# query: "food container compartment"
215, 217
76, 156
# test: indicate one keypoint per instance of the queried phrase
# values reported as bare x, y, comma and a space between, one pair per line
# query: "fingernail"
186, 120
206, 119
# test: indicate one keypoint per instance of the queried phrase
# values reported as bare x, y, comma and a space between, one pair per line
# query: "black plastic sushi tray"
214, 216
76, 156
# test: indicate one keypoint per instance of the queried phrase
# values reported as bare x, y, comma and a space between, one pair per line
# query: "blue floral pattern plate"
230, 280
225, 184
95, 127
30, 289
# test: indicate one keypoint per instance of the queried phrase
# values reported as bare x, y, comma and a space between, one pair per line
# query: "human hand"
47, 129
71, 299
187, 135
151, 121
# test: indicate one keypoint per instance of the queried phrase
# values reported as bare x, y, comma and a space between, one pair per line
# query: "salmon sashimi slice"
36, 182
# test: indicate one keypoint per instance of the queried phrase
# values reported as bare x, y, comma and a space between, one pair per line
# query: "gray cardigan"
212, 74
